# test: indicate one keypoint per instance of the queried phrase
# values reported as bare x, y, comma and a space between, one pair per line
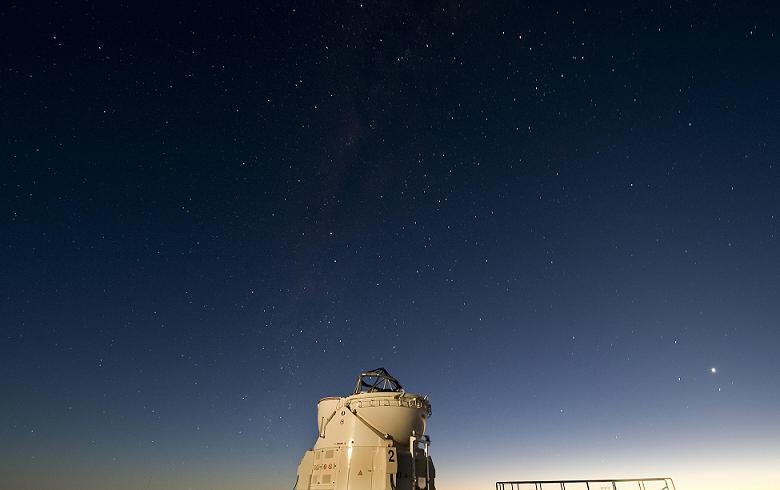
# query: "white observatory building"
373, 439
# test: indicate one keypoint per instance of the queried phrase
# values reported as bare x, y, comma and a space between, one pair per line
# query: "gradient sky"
554, 220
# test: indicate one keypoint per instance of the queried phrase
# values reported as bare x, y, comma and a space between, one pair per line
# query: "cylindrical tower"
373, 439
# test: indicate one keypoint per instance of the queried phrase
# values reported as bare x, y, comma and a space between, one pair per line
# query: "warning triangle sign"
360, 473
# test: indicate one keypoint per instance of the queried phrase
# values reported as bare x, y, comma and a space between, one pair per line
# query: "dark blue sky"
555, 220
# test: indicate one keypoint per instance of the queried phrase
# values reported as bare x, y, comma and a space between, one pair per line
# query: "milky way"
561, 223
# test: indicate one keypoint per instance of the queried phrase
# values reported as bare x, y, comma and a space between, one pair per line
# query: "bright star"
713, 370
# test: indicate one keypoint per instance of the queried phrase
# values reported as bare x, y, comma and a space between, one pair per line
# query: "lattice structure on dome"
377, 380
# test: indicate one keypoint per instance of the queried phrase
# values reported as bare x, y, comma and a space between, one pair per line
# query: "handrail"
510, 485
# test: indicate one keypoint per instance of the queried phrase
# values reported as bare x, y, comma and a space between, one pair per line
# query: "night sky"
560, 222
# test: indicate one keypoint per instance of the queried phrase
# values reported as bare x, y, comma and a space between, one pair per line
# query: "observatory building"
373, 439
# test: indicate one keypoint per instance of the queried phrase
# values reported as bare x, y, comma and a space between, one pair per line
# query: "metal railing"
605, 484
